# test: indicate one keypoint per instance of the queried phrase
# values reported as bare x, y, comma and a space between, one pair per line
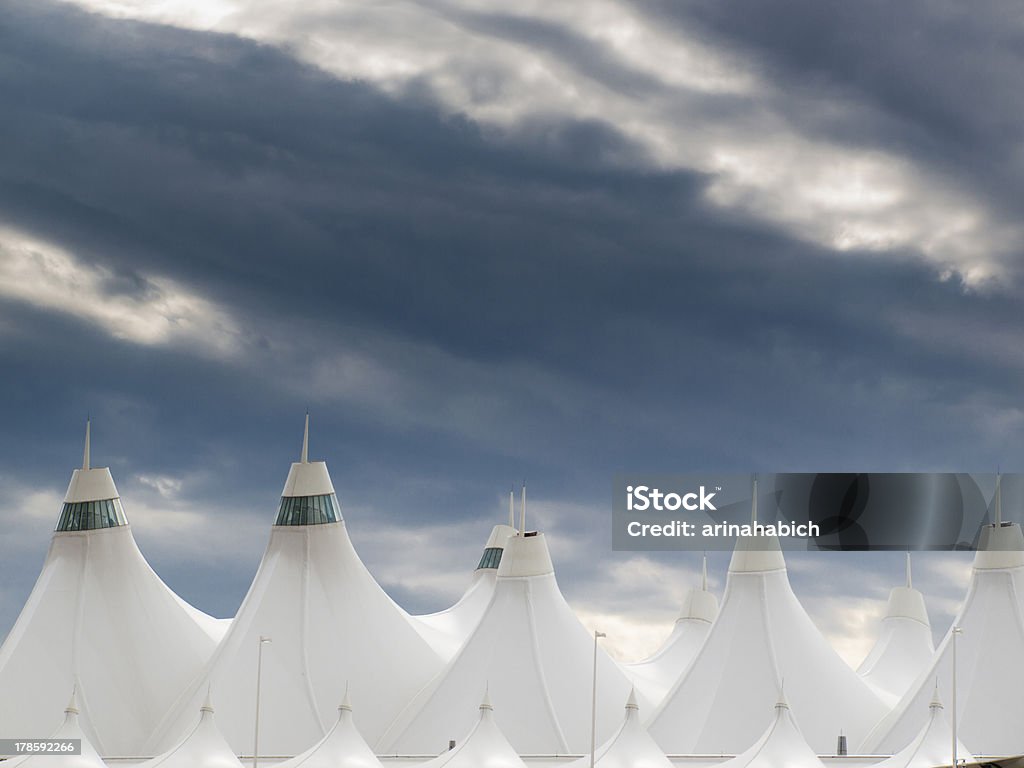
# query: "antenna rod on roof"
85, 453
511, 508
999, 500
522, 513
304, 459
910, 579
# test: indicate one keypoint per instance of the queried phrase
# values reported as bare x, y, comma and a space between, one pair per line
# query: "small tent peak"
704, 574
910, 577
511, 508
936, 702
522, 513
72, 707
782, 703
631, 701
485, 705
85, 453
208, 701
346, 705
304, 456
999, 500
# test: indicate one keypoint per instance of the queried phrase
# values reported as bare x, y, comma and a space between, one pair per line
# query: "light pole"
956, 631
259, 675
593, 708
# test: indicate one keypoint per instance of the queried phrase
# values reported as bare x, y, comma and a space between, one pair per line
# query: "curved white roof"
203, 747
656, 675
331, 625
99, 617
484, 747
904, 646
537, 658
761, 637
990, 676
932, 746
630, 747
342, 747
455, 623
69, 729
782, 745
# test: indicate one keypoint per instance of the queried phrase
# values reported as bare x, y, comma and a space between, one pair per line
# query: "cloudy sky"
481, 245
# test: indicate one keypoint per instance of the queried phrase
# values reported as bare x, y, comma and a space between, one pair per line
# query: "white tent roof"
69, 729
100, 618
538, 660
656, 675
904, 646
630, 747
331, 626
203, 747
933, 744
454, 624
761, 637
990, 676
782, 745
342, 747
484, 747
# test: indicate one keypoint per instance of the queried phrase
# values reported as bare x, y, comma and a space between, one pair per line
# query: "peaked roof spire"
782, 703
999, 500
304, 458
631, 701
522, 513
208, 701
936, 702
511, 508
910, 578
753, 504
85, 453
486, 703
72, 707
346, 705
704, 574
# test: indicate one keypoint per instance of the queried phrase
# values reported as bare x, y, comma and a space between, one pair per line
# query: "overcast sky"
551, 242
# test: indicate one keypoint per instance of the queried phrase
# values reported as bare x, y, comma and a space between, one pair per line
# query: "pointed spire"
936, 702
999, 500
704, 574
522, 513
208, 701
511, 508
85, 453
753, 505
304, 459
782, 703
346, 705
72, 707
910, 578
486, 703
631, 701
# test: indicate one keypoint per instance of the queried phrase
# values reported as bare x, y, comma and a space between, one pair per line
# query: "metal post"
259, 679
956, 631
593, 708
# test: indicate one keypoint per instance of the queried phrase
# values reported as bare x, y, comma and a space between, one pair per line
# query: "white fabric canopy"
203, 747
537, 659
932, 746
69, 729
630, 747
332, 627
762, 637
782, 745
342, 747
990, 675
904, 646
484, 747
100, 618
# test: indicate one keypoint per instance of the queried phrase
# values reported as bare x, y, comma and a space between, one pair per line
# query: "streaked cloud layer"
550, 243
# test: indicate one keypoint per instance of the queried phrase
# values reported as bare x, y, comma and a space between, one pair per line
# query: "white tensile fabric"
630, 747
100, 618
904, 646
656, 675
762, 637
331, 627
537, 659
931, 747
342, 747
203, 747
453, 625
782, 745
484, 747
990, 674
69, 729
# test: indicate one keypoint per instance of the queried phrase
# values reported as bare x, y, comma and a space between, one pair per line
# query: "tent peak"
72, 707
485, 705
346, 705
85, 452
631, 701
936, 702
208, 701
304, 456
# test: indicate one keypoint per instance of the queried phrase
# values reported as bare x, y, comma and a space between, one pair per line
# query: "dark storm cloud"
459, 308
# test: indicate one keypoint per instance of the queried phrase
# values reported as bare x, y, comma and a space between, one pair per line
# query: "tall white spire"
511, 508
72, 707
704, 574
304, 459
522, 513
910, 578
999, 500
85, 453
753, 505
